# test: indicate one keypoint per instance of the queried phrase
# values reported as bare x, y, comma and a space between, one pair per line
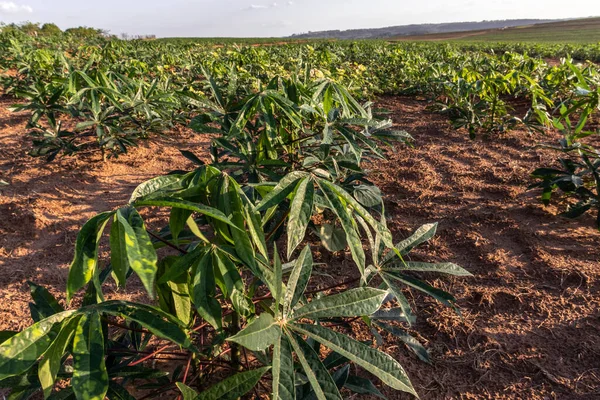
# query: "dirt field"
530, 326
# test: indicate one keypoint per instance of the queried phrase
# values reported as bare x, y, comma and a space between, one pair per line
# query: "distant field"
573, 31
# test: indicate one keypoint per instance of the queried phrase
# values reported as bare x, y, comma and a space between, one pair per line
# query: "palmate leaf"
90, 378
50, 364
376, 362
23, 349
351, 303
318, 376
301, 211
234, 387
86, 253
259, 334
283, 370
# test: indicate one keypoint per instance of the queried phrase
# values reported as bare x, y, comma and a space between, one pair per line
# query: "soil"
530, 323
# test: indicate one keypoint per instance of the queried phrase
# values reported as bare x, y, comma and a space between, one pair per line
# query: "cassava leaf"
90, 378
259, 334
234, 387
351, 303
85, 261
376, 362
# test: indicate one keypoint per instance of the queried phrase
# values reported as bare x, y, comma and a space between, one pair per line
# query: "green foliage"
287, 160
577, 175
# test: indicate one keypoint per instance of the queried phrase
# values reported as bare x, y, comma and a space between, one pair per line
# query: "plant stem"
235, 348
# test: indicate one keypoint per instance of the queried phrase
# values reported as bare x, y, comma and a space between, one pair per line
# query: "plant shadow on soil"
530, 325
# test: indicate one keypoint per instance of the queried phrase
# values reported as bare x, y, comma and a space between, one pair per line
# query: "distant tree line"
49, 29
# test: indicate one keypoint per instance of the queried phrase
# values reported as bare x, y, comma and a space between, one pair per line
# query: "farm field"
290, 217
581, 31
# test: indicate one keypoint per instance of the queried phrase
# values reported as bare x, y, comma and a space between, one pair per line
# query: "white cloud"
260, 7
10, 7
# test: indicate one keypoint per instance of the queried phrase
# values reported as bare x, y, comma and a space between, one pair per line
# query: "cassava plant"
237, 318
577, 177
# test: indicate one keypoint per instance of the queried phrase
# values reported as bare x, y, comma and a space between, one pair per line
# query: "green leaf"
259, 334
50, 364
283, 370
368, 196
118, 252
158, 322
422, 235
300, 213
348, 224
351, 303
85, 261
402, 300
182, 264
413, 344
281, 191
332, 238
186, 205
445, 268
155, 185
363, 386
204, 292
376, 362
22, 350
385, 233
438, 294
187, 392
234, 387
318, 376
298, 280
278, 272
230, 281
177, 221
45, 304
182, 302
141, 255
118, 392
231, 203
90, 378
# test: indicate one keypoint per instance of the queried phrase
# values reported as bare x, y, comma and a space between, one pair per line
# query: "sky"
271, 18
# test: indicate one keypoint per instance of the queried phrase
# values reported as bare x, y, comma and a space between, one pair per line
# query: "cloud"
10, 7
253, 7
